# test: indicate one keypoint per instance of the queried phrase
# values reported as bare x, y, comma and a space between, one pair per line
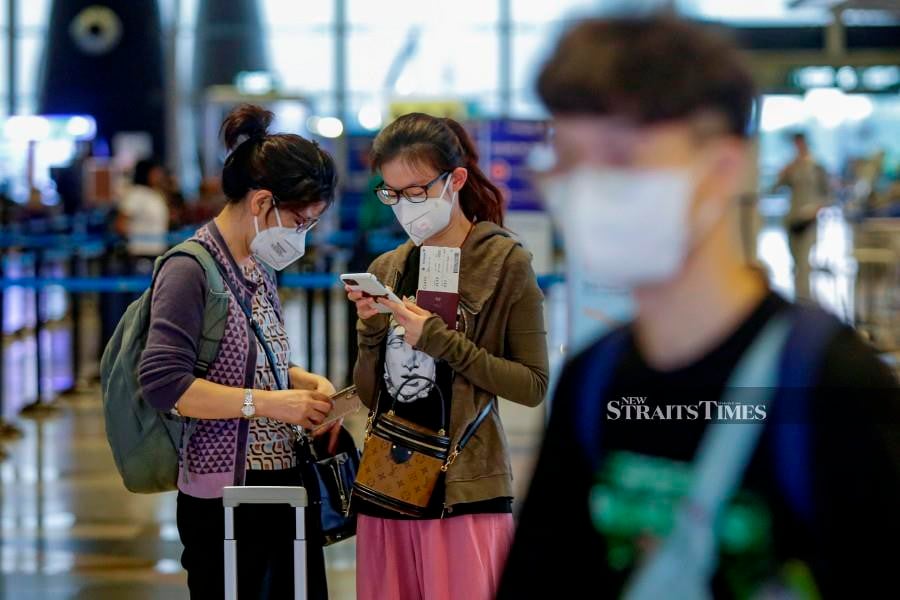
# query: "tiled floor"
70, 530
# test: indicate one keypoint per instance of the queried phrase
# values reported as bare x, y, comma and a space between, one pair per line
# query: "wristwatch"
249, 409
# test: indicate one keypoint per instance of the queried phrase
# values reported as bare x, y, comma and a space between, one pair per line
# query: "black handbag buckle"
400, 454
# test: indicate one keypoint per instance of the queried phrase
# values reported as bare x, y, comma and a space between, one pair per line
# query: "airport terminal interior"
89, 90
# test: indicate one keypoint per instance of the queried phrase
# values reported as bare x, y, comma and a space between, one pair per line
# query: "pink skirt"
437, 559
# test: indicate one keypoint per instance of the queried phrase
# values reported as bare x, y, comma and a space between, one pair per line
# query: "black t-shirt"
413, 384
591, 528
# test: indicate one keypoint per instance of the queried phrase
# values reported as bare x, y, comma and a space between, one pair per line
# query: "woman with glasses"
277, 186
415, 361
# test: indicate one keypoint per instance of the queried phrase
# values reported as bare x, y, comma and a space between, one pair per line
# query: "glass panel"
842, 129
530, 48
303, 61
289, 13
29, 50
166, 7
441, 62
526, 105
529, 11
184, 58
384, 14
26, 105
188, 16
32, 13
862, 18
776, 12
369, 56
3, 66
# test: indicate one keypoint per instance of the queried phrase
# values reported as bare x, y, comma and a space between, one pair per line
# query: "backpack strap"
791, 435
684, 562
600, 361
215, 312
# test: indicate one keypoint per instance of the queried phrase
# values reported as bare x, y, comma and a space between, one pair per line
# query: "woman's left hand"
323, 386
411, 317
304, 380
333, 431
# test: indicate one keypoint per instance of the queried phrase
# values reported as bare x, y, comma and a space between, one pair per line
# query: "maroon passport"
443, 304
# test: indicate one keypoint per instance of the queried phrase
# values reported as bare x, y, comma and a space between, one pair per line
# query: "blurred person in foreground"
636, 493
808, 182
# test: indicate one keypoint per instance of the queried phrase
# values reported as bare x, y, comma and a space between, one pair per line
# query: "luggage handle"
232, 497
236, 495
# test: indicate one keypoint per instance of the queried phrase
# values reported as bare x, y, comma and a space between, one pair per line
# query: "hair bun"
246, 122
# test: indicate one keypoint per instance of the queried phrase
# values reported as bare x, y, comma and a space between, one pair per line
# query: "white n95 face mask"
624, 228
278, 246
421, 220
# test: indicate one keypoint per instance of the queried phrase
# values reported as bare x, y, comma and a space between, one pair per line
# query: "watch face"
248, 410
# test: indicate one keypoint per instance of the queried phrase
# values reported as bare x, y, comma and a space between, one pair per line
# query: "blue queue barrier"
313, 284
138, 283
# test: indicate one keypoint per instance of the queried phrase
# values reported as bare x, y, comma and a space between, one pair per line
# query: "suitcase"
296, 497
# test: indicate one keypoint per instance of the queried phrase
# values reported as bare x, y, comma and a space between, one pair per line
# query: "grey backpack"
145, 442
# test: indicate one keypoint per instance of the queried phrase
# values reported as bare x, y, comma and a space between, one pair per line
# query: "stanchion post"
38, 408
310, 333
327, 293
8, 431
75, 307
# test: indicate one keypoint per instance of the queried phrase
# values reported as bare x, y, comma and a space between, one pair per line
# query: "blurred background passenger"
636, 494
808, 183
143, 217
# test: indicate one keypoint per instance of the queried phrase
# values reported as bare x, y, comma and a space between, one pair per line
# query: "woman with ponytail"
277, 185
414, 361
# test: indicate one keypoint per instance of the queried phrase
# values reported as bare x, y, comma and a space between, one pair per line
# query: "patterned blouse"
270, 445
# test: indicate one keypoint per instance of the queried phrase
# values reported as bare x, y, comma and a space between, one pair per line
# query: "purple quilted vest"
216, 452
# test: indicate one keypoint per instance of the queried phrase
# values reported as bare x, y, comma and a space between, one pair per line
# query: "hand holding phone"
368, 285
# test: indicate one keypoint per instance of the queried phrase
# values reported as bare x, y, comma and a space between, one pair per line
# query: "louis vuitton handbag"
402, 461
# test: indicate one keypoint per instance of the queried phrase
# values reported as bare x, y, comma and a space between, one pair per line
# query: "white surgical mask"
421, 220
625, 228
278, 246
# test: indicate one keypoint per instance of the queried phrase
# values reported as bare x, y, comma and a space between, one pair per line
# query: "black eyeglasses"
303, 223
413, 193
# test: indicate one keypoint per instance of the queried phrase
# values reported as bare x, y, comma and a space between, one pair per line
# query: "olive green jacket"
501, 352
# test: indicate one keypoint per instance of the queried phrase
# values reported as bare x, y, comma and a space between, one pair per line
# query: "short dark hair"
142, 170
648, 69
296, 170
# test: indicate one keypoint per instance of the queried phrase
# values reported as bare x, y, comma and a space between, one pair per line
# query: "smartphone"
343, 403
369, 285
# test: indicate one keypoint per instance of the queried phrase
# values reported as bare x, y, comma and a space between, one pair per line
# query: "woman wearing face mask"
277, 185
440, 196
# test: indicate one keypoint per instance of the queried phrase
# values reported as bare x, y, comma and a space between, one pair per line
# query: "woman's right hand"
365, 305
306, 408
